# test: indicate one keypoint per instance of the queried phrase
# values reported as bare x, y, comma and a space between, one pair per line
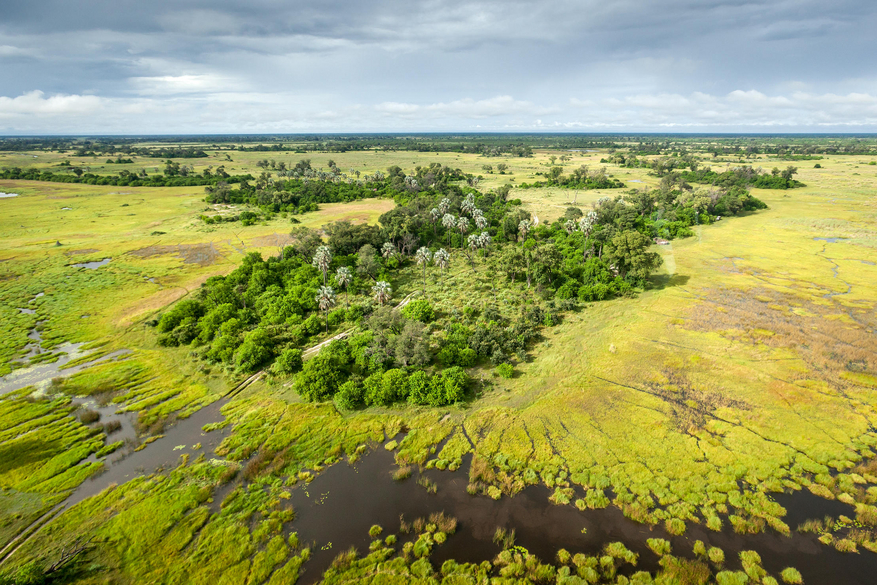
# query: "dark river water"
344, 501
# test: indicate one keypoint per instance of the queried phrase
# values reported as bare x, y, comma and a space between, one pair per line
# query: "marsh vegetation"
499, 343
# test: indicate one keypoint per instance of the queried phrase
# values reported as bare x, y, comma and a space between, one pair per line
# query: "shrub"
505, 370
448, 386
791, 576
312, 325
716, 555
289, 361
567, 291
418, 388
394, 386
419, 310
320, 378
350, 395
337, 317
254, 351
89, 416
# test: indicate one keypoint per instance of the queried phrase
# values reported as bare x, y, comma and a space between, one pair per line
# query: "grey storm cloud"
385, 65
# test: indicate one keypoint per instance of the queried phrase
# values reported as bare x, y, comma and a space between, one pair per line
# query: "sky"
270, 66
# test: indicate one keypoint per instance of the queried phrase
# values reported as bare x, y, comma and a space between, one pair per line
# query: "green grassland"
747, 368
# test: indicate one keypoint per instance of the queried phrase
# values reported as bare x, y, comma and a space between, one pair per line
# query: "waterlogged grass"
42, 448
748, 368
161, 529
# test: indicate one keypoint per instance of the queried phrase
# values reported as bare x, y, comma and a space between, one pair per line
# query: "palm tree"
473, 246
484, 240
442, 259
326, 300
569, 226
463, 226
388, 250
322, 260
449, 223
468, 205
480, 221
586, 224
524, 227
423, 257
434, 215
444, 205
344, 276
382, 291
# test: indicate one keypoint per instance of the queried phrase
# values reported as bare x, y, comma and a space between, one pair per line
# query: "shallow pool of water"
8, 195
92, 265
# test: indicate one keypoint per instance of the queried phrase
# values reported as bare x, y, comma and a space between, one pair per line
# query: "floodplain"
642, 436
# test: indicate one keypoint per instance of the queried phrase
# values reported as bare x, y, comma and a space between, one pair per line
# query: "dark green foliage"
351, 394
448, 386
745, 176
629, 253
123, 179
419, 310
346, 238
418, 387
320, 378
255, 351
289, 361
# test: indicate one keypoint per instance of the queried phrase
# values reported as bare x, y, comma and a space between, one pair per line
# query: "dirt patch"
835, 341
82, 251
164, 297
200, 254
272, 240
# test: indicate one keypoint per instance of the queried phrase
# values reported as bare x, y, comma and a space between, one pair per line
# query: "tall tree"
463, 226
442, 259
344, 277
449, 222
322, 260
629, 253
326, 300
423, 257
382, 291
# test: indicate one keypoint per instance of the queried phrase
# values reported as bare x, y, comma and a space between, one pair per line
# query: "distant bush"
505, 370
419, 310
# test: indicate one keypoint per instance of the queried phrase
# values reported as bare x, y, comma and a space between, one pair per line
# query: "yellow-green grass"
109, 307
671, 398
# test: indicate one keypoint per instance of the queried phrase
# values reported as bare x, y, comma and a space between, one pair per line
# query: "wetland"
186, 403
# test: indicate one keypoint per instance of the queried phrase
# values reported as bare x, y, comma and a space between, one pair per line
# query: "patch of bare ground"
165, 297
276, 240
202, 254
690, 407
82, 251
836, 342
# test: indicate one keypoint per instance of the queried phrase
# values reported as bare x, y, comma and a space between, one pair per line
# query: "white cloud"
187, 106
176, 84
35, 105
